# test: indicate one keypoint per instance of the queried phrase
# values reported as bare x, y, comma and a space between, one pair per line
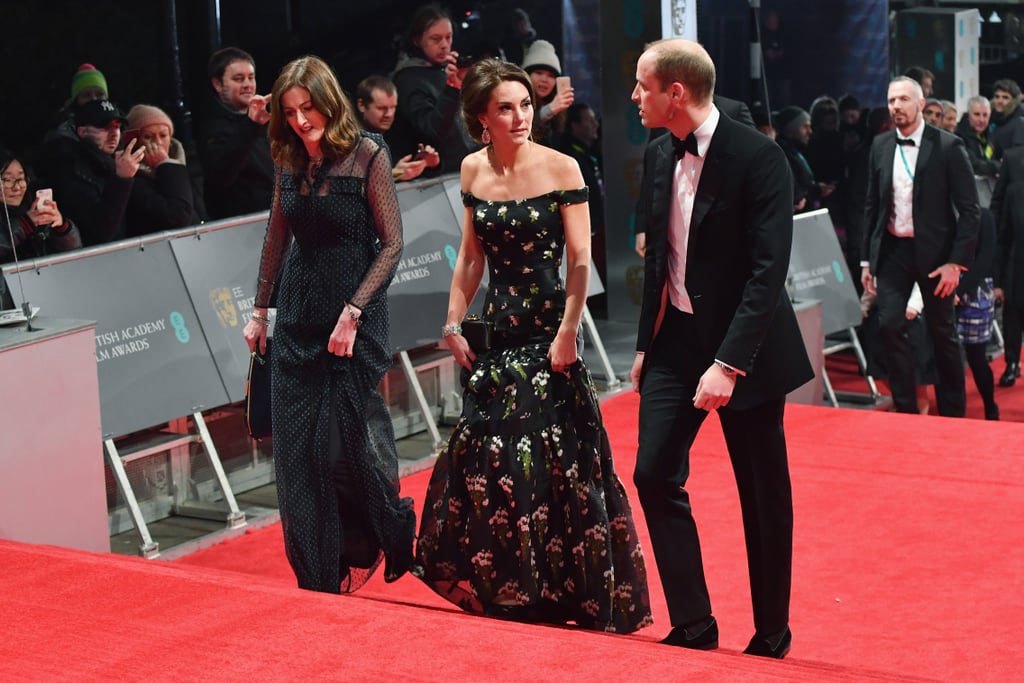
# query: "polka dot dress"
334, 447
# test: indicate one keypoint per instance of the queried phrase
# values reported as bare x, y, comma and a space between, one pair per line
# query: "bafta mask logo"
224, 304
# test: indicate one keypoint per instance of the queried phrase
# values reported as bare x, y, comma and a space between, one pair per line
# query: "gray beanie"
541, 55
789, 120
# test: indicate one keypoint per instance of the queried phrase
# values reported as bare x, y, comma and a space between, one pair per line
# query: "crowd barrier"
170, 308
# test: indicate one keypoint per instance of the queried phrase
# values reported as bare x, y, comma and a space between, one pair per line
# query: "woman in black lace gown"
334, 448
525, 517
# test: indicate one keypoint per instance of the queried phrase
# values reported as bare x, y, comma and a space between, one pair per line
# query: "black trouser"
1011, 332
981, 371
757, 449
897, 273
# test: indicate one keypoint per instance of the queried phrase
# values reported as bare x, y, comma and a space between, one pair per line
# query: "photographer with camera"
428, 76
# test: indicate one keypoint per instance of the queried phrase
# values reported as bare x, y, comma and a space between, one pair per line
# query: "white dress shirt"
904, 166
684, 188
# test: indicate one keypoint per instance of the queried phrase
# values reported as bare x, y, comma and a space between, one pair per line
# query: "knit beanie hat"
142, 115
88, 76
789, 120
541, 55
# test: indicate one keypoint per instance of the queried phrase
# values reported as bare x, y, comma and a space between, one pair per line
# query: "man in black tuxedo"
921, 221
716, 332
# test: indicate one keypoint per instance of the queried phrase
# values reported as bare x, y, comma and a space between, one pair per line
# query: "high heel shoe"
1010, 375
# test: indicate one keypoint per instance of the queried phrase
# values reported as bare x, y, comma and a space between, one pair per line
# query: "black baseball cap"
98, 113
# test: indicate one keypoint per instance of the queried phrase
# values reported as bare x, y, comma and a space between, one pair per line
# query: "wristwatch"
729, 372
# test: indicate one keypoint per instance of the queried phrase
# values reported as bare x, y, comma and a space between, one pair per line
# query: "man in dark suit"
1008, 209
716, 332
921, 221
735, 110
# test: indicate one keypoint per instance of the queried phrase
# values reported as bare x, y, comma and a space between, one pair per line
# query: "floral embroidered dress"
524, 515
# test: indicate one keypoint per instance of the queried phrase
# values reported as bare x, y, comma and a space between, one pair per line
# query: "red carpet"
907, 567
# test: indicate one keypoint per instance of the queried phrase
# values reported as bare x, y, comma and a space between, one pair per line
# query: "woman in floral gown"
525, 517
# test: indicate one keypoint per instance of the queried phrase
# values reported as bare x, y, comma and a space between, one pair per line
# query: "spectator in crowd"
793, 130
849, 111
38, 227
933, 112
542, 63
520, 35
377, 101
1007, 118
912, 238
974, 130
924, 77
856, 186
581, 133
825, 148
233, 146
87, 83
163, 197
428, 76
851, 125
1009, 217
92, 177
949, 116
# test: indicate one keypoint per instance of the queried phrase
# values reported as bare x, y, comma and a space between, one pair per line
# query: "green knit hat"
88, 76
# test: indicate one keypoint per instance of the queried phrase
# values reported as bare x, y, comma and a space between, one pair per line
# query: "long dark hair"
342, 130
420, 22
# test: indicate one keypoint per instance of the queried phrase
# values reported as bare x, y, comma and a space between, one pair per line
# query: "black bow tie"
905, 141
681, 147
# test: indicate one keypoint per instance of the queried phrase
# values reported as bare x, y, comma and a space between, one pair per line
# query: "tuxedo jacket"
1008, 208
741, 231
947, 216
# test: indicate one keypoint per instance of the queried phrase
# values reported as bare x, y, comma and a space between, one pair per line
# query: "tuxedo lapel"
885, 172
712, 176
661, 195
927, 148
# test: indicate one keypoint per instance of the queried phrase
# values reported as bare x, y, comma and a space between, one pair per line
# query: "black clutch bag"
257, 394
477, 333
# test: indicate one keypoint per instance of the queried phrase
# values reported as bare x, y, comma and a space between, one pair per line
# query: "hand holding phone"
562, 83
43, 197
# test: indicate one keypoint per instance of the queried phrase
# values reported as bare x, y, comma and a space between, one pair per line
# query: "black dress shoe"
775, 647
703, 635
992, 412
1010, 375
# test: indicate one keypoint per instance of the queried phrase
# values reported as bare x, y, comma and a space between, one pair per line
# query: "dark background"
832, 47
133, 44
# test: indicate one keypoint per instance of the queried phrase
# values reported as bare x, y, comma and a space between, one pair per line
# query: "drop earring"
485, 137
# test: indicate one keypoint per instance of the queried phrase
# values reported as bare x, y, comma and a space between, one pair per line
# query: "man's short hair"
364, 91
574, 114
221, 59
979, 99
1007, 85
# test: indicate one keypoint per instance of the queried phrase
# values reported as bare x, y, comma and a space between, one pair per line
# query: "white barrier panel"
220, 269
817, 270
153, 361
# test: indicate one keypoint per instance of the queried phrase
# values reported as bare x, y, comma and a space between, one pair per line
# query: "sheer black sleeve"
387, 217
275, 247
